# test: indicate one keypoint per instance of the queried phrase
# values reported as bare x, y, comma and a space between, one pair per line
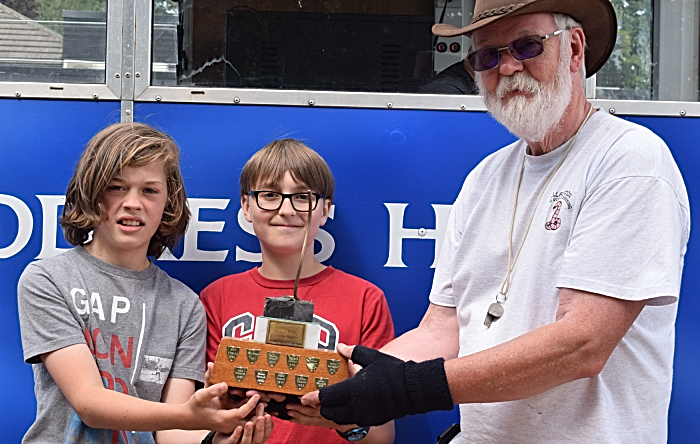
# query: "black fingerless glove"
386, 388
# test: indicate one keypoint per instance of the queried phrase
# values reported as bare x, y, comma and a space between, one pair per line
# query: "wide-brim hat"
597, 17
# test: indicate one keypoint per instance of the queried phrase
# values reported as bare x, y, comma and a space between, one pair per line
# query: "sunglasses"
524, 48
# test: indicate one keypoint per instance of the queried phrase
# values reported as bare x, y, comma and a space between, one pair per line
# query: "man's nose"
508, 64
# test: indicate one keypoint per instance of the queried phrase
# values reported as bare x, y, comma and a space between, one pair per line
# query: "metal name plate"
273, 357
332, 365
301, 381
261, 376
281, 379
239, 373
232, 352
312, 363
253, 354
291, 334
292, 361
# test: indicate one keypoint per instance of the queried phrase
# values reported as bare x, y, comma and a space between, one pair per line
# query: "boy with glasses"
275, 200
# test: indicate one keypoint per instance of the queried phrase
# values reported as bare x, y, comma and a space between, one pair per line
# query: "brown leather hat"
597, 17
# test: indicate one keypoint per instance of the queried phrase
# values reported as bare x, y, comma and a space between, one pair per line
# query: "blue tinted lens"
526, 47
483, 59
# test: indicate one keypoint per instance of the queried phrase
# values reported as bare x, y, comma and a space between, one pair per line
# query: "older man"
554, 300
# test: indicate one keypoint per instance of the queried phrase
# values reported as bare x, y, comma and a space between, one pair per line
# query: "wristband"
209, 439
355, 434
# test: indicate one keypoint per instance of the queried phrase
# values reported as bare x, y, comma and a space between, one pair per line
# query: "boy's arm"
74, 370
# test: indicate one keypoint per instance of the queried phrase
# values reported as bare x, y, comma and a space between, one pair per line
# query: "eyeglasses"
524, 48
272, 200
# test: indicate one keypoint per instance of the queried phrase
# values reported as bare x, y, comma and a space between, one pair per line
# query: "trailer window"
53, 41
387, 46
336, 45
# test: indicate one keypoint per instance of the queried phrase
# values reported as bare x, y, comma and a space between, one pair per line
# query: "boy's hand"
308, 415
252, 432
204, 408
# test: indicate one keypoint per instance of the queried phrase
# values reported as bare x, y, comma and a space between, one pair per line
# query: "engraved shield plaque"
273, 358
261, 376
253, 354
301, 381
333, 365
312, 363
292, 360
320, 382
239, 373
281, 379
232, 352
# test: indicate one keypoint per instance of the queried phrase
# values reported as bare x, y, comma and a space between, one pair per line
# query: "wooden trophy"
283, 356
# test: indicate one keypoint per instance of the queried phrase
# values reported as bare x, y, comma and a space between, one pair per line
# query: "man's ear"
245, 204
326, 211
578, 49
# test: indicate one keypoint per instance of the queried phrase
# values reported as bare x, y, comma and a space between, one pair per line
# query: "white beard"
532, 118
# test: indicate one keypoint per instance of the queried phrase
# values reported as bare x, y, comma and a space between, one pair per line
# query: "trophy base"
246, 364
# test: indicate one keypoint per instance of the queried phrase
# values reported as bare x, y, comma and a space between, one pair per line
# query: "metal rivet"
389, 105
127, 75
95, 96
138, 74
17, 93
612, 110
116, 76
158, 98
682, 112
463, 107
422, 232
127, 112
311, 102
236, 100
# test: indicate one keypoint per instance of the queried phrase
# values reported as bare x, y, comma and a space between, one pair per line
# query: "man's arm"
577, 345
437, 336
587, 329
77, 376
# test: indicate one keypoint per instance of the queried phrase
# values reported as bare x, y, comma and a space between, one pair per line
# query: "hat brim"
597, 17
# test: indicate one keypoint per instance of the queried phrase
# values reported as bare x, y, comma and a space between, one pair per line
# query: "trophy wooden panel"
242, 364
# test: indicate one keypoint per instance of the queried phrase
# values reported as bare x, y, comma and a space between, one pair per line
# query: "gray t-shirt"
614, 221
142, 327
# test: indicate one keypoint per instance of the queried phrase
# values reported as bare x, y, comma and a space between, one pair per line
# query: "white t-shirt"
614, 221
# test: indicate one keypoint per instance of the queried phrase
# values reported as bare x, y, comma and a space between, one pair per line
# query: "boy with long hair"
115, 343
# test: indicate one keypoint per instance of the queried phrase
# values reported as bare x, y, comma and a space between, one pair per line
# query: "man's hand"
386, 388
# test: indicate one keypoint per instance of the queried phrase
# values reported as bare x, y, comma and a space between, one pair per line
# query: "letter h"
397, 232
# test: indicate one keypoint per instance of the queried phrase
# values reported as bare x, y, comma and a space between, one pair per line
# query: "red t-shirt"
349, 310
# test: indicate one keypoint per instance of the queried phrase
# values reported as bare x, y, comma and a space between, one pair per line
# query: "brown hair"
108, 152
268, 165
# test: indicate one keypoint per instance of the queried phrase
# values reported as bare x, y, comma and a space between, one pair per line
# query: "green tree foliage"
629, 67
53, 9
25, 7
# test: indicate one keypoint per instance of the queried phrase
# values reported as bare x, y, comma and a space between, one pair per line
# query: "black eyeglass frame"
499, 50
289, 196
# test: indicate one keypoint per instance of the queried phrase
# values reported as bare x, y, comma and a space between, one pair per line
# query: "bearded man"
555, 295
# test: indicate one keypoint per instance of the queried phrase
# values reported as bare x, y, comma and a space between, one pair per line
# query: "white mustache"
518, 81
